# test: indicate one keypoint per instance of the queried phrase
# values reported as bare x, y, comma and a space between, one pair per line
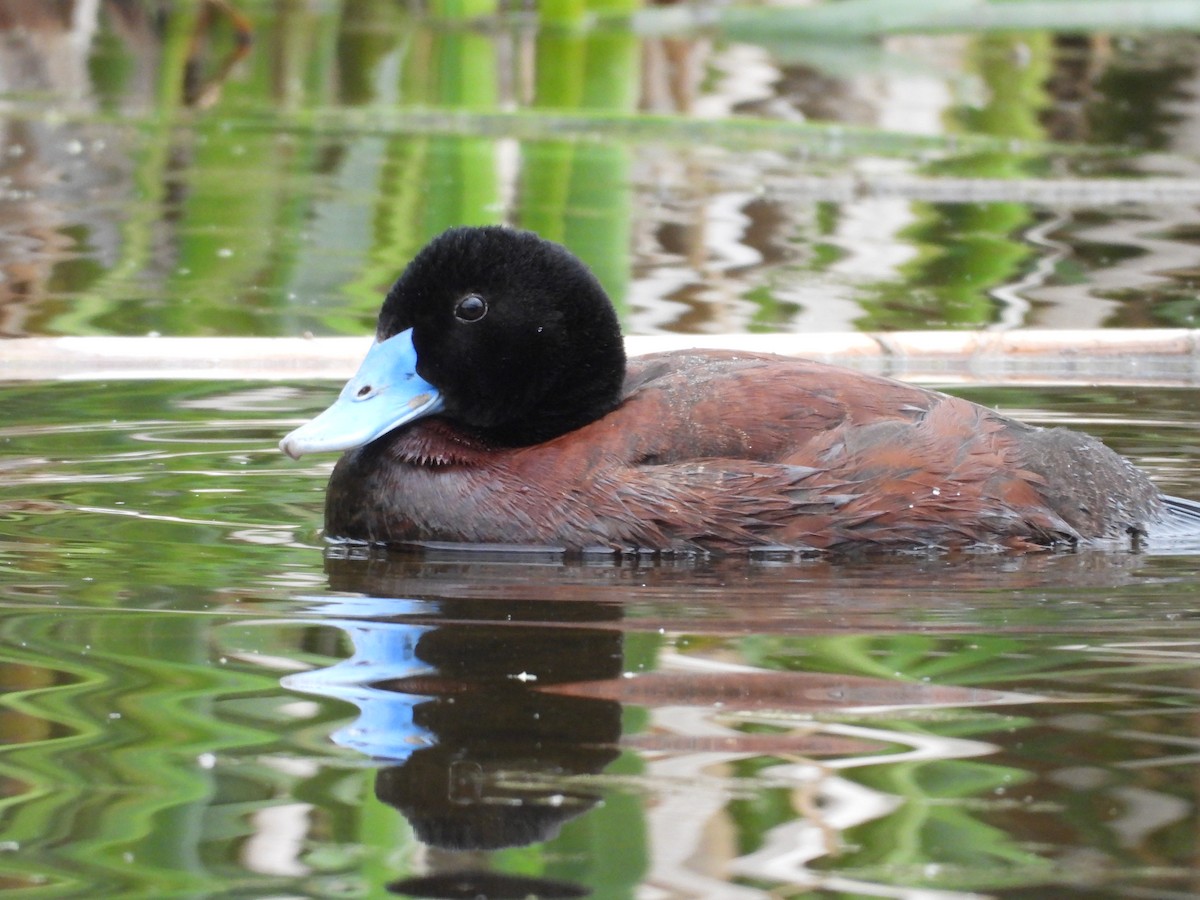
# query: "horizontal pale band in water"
1107, 356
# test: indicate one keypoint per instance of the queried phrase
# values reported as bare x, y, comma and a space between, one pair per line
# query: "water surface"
158, 176
203, 699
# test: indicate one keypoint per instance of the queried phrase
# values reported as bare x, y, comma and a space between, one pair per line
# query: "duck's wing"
762, 505
946, 476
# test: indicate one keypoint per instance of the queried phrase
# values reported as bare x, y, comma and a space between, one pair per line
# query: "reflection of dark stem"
202, 92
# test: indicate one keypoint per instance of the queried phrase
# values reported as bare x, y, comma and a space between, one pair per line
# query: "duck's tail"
1180, 520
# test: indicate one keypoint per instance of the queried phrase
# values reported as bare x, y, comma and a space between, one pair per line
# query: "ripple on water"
175, 627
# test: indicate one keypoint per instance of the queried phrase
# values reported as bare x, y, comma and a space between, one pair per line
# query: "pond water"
154, 180
201, 698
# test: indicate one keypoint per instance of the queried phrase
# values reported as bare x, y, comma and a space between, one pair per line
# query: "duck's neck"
565, 411
586, 389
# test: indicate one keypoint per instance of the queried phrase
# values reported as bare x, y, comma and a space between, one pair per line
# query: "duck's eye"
471, 308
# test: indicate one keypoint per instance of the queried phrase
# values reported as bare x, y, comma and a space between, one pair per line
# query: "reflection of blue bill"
383, 651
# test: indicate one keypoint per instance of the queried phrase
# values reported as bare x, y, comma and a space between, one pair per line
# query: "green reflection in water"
355, 130
160, 572
967, 249
115, 796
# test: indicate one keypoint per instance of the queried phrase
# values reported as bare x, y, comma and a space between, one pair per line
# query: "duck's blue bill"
385, 393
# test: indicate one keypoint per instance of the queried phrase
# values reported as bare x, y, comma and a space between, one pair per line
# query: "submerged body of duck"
497, 407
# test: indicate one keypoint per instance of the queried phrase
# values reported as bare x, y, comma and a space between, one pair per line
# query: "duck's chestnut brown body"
722, 451
496, 407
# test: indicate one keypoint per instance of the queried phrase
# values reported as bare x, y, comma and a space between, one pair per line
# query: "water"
967, 180
203, 699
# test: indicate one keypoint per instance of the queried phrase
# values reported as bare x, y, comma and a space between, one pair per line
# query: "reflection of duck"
478, 746
496, 407
471, 885
500, 740
490, 748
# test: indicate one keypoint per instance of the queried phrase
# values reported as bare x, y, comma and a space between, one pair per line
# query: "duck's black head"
513, 330
513, 336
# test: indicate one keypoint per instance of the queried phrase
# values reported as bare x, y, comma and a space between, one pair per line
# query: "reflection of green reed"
152, 156
114, 799
934, 838
424, 185
355, 130
576, 194
968, 249
937, 836
940, 822
230, 191
579, 194
354, 133
462, 9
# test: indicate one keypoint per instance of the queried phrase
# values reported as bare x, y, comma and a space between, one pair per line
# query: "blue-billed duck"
497, 407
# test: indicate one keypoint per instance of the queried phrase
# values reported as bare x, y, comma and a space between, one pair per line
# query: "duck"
497, 406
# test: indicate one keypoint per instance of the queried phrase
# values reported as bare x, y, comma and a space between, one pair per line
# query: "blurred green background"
267, 167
